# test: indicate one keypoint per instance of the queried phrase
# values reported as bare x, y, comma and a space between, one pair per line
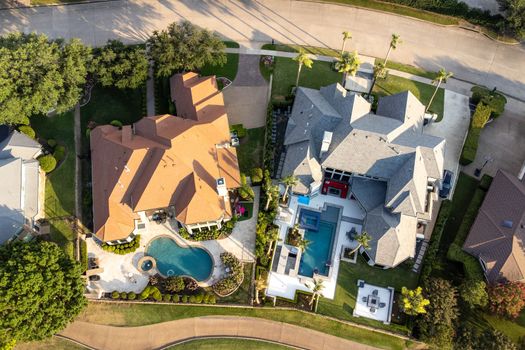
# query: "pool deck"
117, 268
351, 217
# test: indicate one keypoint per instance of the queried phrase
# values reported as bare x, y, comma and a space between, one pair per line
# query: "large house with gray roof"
21, 181
335, 145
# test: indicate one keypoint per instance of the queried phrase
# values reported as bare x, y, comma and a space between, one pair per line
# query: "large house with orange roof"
184, 165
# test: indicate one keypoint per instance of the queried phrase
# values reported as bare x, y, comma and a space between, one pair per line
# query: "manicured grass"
60, 184
513, 329
229, 70
228, 344
322, 51
285, 74
138, 314
53, 343
392, 85
400, 10
250, 149
342, 306
408, 69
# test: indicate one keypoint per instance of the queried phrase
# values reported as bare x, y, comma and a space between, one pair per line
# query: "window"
336, 177
345, 178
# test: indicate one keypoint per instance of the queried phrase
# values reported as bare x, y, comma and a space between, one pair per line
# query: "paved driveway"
247, 98
471, 56
161, 334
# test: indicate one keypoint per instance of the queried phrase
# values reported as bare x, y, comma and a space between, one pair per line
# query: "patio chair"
382, 305
375, 292
364, 299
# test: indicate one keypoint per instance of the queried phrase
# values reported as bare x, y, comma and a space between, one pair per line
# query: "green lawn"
250, 149
512, 329
60, 184
229, 70
285, 74
53, 343
343, 304
408, 69
323, 51
228, 344
139, 314
392, 85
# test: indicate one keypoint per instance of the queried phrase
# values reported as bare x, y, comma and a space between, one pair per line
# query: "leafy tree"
48, 163
507, 299
379, 72
481, 116
492, 339
121, 66
347, 64
413, 302
174, 284
183, 47
346, 36
245, 191
302, 58
474, 293
40, 291
441, 77
27, 130
394, 41
257, 175
271, 191
436, 325
289, 181
38, 75
514, 15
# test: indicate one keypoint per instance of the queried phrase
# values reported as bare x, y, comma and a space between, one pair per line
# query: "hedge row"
470, 148
433, 247
124, 248
491, 98
83, 255
154, 294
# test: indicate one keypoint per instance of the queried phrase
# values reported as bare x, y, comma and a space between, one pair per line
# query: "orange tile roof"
165, 161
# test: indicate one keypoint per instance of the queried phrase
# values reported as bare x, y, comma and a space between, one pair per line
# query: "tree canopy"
413, 302
122, 66
507, 299
514, 15
184, 47
38, 75
474, 293
40, 291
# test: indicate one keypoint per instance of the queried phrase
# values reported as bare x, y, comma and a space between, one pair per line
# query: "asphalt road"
469, 55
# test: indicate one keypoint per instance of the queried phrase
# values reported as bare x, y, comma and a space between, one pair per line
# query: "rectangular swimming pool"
318, 254
309, 219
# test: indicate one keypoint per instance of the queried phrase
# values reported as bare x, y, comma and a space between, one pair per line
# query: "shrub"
124, 248
27, 130
51, 143
184, 298
175, 298
485, 182
240, 129
47, 163
115, 295
174, 284
507, 299
192, 299
470, 148
481, 116
116, 123
166, 297
59, 153
199, 298
231, 282
212, 299
123, 295
83, 255
132, 296
256, 175
491, 98
191, 284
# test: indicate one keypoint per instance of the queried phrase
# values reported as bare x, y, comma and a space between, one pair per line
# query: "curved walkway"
161, 334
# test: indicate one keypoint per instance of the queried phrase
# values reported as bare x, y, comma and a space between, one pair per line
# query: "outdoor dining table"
372, 301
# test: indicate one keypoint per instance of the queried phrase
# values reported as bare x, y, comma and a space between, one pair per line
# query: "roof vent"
507, 223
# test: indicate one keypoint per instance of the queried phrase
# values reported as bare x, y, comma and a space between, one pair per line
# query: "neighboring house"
336, 145
20, 182
183, 165
497, 237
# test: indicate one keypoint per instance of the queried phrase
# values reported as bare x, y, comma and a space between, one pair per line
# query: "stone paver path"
161, 334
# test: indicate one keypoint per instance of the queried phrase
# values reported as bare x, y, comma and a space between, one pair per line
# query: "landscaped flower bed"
207, 234
233, 280
124, 248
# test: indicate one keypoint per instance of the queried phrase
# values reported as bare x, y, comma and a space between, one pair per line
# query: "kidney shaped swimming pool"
174, 260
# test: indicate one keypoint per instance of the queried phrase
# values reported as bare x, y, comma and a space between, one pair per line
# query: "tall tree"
474, 293
261, 283
363, 240
184, 47
507, 299
316, 288
38, 75
288, 181
121, 66
514, 15
394, 41
302, 58
413, 302
379, 73
40, 291
346, 36
441, 77
272, 193
347, 64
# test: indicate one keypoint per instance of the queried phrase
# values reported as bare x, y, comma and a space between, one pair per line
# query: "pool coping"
210, 254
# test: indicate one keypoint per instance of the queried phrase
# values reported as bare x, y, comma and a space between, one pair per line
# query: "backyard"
342, 306
249, 152
60, 184
139, 314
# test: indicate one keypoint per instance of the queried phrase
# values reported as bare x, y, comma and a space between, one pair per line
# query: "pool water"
318, 252
174, 260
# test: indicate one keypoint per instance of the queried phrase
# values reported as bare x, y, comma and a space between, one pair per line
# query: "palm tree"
260, 284
363, 240
303, 244
316, 289
441, 77
302, 58
394, 41
288, 181
379, 72
348, 63
346, 36
272, 192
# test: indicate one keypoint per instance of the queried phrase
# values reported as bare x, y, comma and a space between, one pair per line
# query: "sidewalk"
161, 334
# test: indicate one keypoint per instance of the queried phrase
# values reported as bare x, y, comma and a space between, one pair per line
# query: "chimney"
222, 190
522, 172
127, 134
327, 140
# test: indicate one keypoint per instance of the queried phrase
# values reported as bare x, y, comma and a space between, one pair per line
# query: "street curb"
79, 2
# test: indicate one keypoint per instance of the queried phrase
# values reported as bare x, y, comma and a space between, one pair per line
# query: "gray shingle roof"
404, 107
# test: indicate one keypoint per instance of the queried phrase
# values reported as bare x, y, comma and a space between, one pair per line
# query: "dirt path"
161, 334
